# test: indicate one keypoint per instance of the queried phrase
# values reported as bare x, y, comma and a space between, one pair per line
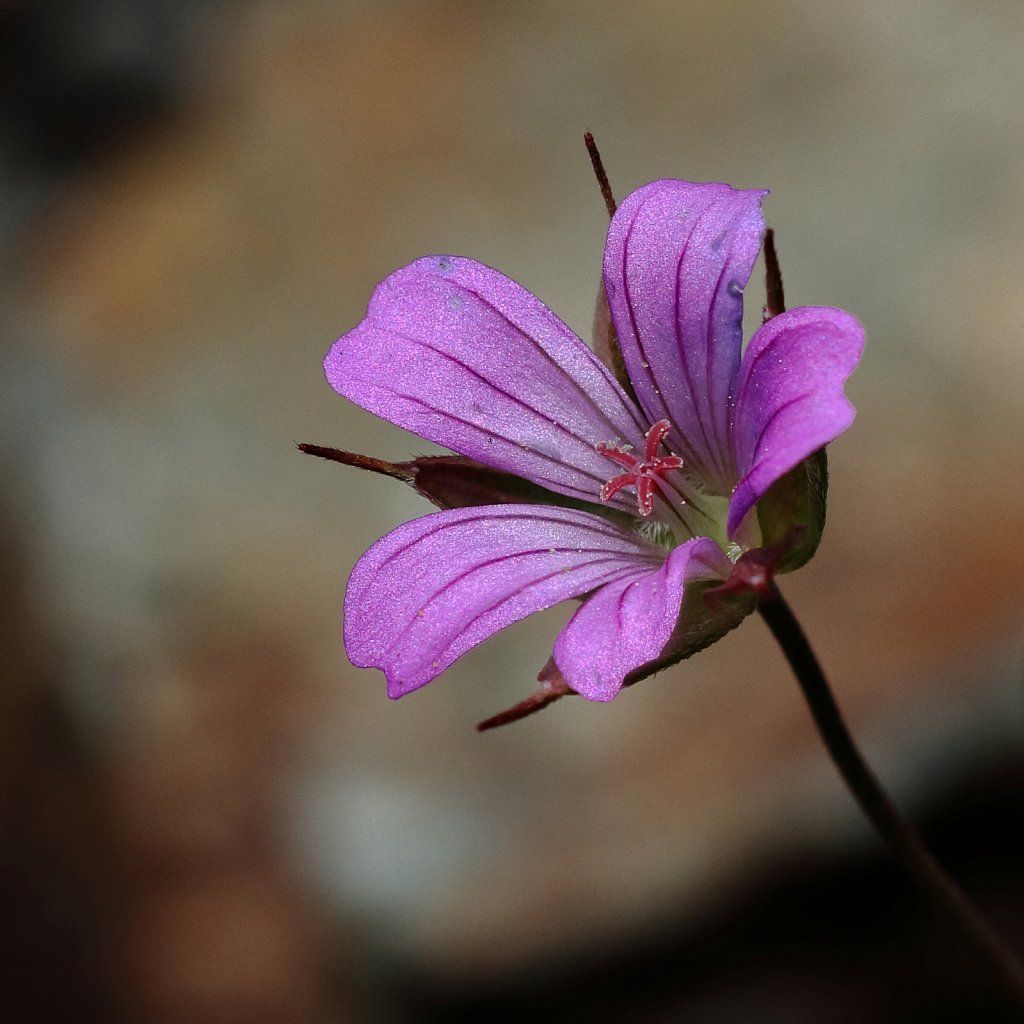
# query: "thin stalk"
599, 172
900, 836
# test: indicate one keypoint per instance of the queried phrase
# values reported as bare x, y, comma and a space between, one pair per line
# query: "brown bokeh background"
210, 815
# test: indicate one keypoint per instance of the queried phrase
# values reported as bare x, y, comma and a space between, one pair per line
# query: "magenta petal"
678, 257
436, 587
465, 357
790, 398
628, 622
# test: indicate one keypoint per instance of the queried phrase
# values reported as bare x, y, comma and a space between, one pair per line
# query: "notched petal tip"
790, 399
678, 257
463, 356
434, 588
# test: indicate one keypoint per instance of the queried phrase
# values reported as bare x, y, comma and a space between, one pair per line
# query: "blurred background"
205, 813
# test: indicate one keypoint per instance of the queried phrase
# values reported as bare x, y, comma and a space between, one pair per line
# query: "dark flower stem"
900, 836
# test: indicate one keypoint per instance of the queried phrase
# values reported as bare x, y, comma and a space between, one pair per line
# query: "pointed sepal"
792, 512
552, 687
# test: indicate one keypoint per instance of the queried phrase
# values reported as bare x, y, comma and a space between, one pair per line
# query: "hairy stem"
900, 836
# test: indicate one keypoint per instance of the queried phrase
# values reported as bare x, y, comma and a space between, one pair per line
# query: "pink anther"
643, 474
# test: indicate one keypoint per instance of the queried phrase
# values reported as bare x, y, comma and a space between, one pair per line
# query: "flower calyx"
754, 571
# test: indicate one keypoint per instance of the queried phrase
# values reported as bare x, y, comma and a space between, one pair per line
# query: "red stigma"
643, 474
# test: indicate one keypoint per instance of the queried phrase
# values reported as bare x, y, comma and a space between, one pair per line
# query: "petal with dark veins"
465, 357
678, 257
436, 587
628, 622
790, 399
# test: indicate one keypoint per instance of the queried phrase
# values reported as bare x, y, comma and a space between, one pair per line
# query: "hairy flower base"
465, 357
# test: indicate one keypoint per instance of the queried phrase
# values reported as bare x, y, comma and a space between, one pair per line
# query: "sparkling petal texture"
436, 587
564, 465
678, 257
790, 398
465, 357
627, 623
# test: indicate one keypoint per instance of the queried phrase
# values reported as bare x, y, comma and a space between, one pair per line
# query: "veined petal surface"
465, 357
436, 587
628, 622
790, 397
678, 257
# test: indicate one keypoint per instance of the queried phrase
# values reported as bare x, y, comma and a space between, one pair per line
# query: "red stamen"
642, 474
619, 455
654, 438
610, 489
645, 495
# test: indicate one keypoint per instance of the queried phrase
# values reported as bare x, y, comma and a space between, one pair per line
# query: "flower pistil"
643, 474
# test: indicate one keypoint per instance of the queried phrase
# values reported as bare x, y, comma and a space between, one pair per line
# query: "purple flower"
636, 497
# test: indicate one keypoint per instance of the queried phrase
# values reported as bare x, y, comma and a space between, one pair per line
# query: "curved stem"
900, 836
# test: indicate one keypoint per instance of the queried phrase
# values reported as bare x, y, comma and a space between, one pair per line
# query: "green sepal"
453, 481
700, 624
792, 512
606, 343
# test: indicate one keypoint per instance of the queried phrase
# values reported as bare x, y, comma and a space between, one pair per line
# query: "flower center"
643, 474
